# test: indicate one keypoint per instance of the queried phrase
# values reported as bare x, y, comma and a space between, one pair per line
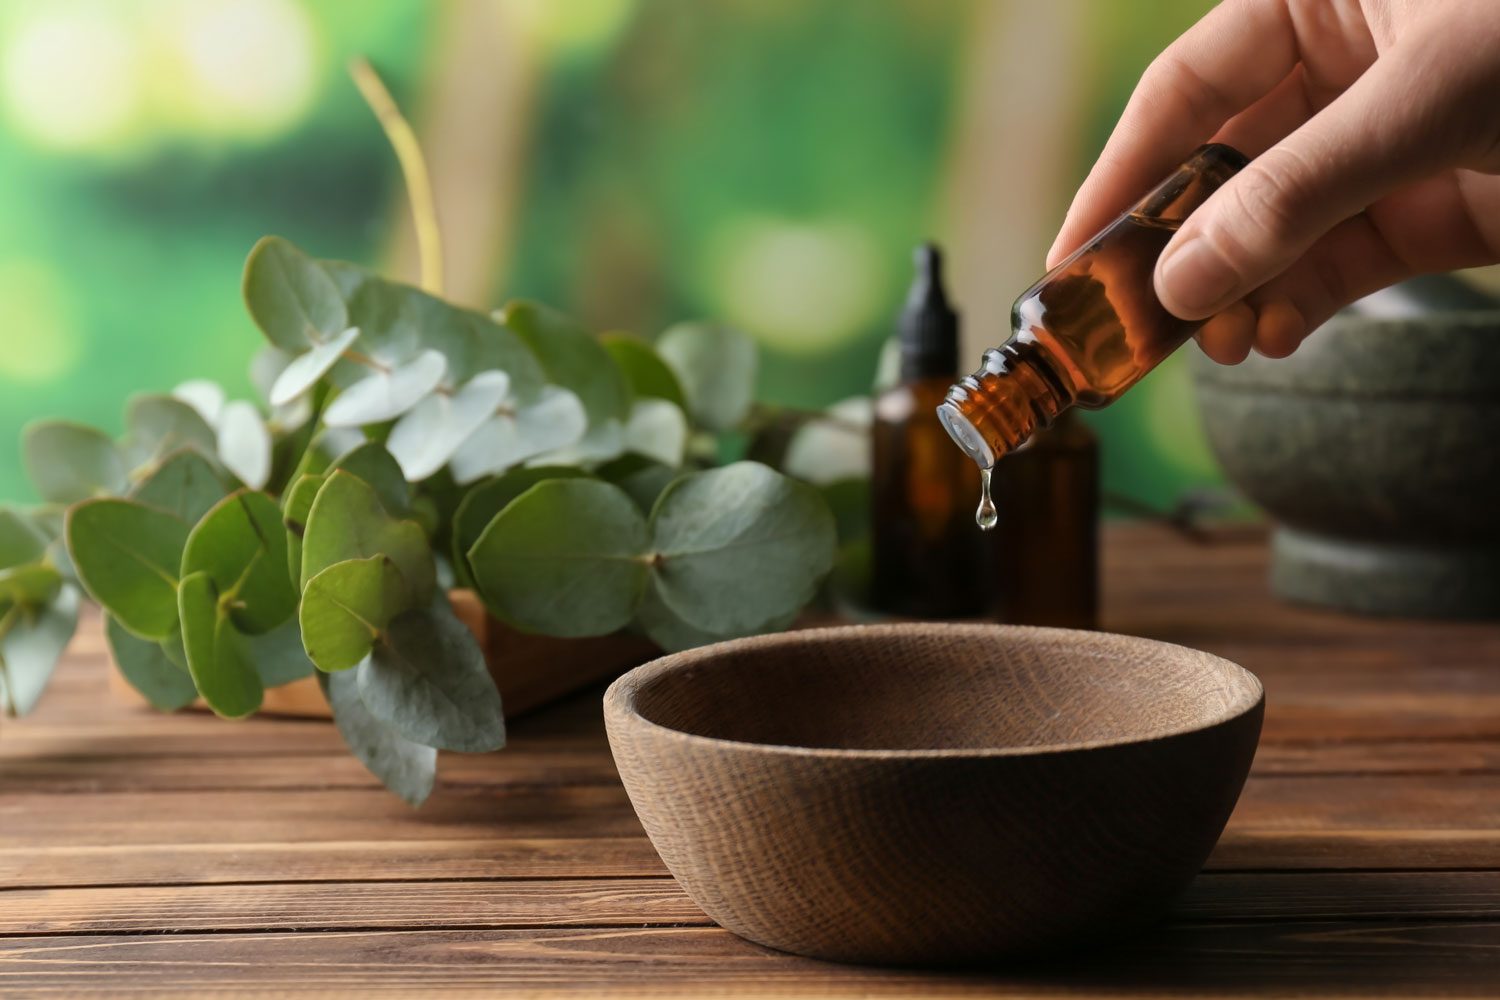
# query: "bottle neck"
995, 410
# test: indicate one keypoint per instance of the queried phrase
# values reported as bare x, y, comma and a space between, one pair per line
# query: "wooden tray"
530, 670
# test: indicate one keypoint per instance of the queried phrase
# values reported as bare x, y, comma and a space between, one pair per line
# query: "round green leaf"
185, 484
241, 545
480, 505
373, 462
127, 556
347, 278
426, 437
385, 395
828, 449
739, 546
30, 647
474, 343
148, 669
663, 626
291, 298
427, 679
216, 654
68, 462
157, 426
406, 768
204, 396
33, 585
348, 522
346, 607
278, 656
20, 540
296, 506
641, 478
556, 420
646, 372
567, 558
716, 367
572, 358
304, 370
658, 430
244, 443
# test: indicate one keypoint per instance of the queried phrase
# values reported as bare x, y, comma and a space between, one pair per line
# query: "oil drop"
986, 516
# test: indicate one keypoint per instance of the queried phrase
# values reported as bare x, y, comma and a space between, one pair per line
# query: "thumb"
1261, 221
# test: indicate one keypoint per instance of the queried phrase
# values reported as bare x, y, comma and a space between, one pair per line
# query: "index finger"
1236, 54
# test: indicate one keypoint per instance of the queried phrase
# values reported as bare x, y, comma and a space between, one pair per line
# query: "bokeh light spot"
72, 76
249, 65
39, 341
798, 286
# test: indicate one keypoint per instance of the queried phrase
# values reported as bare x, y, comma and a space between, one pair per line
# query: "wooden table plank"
1400, 959
1364, 858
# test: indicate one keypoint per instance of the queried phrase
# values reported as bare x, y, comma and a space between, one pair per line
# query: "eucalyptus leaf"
157, 426
474, 343
716, 367
572, 358
296, 506
480, 505
373, 462
278, 656
385, 395
427, 679
146, 666
602, 443
241, 545
556, 420
68, 462
21, 541
265, 368
185, 484
216, 652
291, 298
567, 557
387, 314
827, 449
406, 768
663, 626
658, 430
244, 443
348, 522
31, 645
326, 445
426, 437
175, 652
127, 556
644, 369
306, 369
641, 478
32, 585
346, 607
204, 396
739, 546
347, 278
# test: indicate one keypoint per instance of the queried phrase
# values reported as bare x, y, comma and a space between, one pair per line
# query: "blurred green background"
769, 163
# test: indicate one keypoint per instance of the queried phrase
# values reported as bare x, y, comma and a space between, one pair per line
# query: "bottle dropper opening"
965, 435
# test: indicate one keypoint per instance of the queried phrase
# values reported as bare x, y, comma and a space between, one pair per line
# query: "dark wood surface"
143, 854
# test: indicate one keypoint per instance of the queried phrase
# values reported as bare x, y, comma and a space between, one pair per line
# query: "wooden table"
145, 854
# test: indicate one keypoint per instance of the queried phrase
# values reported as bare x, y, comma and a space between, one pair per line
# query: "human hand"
1377, 124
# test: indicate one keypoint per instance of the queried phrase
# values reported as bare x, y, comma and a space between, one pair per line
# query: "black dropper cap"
928, 327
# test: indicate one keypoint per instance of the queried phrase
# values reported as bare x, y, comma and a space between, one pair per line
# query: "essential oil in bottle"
1091, 328
926, 561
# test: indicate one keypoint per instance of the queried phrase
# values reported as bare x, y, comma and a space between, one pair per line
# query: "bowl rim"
620, 697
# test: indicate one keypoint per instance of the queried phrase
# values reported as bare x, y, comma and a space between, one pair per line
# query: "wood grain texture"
933, 794
1361, 860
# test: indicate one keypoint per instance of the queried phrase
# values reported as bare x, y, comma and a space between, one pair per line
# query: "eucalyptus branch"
408, 151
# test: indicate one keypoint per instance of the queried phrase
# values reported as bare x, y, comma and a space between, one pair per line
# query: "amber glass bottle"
1091, 328
928, 562
1046, 571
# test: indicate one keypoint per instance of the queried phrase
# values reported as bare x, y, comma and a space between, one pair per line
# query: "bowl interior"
941, 687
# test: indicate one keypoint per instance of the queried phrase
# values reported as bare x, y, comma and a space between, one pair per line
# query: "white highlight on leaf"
304, 370
245, 443
204, 396
557, 419
425, 438
658, 430
603, 442
824, 451
386, 395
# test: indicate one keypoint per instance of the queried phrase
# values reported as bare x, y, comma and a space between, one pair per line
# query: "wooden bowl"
934, 794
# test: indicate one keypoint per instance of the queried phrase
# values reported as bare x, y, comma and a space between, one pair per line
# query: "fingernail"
1196, 279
